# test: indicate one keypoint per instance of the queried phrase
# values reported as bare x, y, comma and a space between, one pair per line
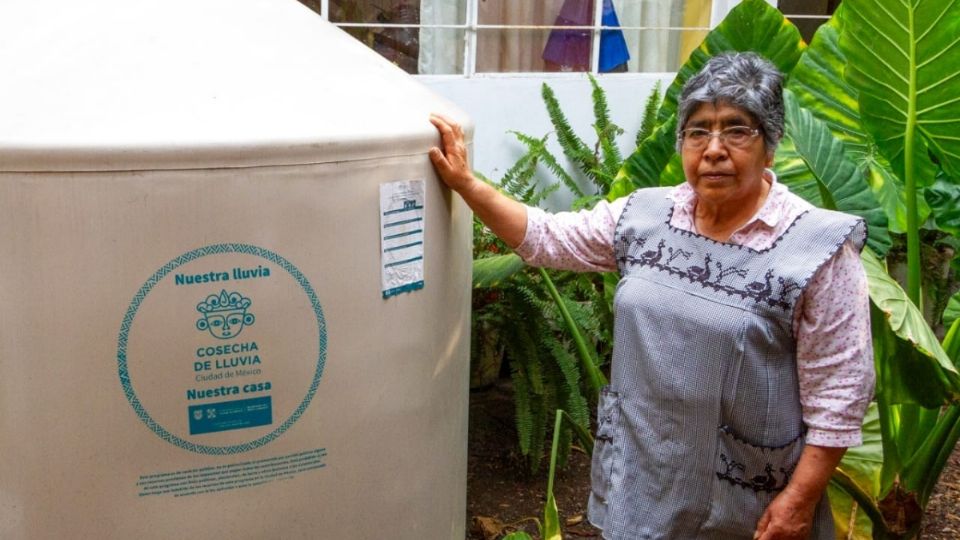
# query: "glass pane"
397, 11
518, 50
375, 11
415, 50
808, 26
441, 51
536, 12
653, 37
528, 49
312, 4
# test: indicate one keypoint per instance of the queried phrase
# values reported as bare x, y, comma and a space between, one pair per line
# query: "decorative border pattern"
135, 306
770, 289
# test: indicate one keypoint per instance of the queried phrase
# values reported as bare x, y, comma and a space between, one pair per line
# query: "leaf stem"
597, 380
913, 225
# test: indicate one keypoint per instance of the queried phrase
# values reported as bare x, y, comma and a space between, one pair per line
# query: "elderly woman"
742, 362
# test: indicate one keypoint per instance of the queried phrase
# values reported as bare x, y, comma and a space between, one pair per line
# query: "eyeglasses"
731, 137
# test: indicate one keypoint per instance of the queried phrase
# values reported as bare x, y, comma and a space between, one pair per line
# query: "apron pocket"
747, 478
608, 436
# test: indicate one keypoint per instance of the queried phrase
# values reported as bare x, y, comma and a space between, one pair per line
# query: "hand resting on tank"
506, 217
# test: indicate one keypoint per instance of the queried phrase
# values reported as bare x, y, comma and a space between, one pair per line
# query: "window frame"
471, 27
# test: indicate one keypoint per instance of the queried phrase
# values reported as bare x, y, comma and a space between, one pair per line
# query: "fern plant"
552, 328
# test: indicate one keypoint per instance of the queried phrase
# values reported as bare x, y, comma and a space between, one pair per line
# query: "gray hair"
745, 80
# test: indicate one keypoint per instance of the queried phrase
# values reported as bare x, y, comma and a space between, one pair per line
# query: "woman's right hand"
451, 162
506, 217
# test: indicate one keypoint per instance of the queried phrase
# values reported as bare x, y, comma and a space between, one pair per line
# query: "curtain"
441, 49
507, 50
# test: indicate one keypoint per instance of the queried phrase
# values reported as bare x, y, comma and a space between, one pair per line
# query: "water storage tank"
234, 298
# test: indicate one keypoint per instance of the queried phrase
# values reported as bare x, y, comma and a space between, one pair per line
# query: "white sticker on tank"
401, 236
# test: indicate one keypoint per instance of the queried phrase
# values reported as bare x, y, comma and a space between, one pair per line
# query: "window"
468, 37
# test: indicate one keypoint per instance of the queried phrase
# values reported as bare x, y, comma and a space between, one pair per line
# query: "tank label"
222, 349
401, 236
243, 413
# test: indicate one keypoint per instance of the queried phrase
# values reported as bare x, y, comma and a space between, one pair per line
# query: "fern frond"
520, 177
550, 161
607, 133
573, 146
540, 410
517, 175
601, 110
567, 363
612, 158
588, 201
649, 122
523, 410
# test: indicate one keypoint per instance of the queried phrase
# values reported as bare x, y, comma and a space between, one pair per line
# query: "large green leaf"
863, 463
520, 535
644, 166
754, 25
944, 200
952, 312
861, 467
904, 58
891, 193
828, 178
849, 520
492, 271
912, 367
819, 86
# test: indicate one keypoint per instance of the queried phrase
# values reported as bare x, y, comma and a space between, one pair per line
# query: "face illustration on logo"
224, 315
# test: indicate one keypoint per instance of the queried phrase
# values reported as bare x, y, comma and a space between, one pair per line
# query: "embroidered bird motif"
651, 257
730, 465
764, 482
787, 286
701, 274
761, 290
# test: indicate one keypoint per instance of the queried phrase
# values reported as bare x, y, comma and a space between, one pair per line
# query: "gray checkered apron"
701, 425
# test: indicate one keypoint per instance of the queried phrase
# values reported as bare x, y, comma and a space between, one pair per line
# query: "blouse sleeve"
580, 241
834, 351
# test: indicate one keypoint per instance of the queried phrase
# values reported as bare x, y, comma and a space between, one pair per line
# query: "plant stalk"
910, 180
595, 378
866, 502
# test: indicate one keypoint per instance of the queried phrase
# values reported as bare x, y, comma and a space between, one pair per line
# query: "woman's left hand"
788, 517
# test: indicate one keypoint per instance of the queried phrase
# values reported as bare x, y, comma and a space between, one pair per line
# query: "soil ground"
502, 495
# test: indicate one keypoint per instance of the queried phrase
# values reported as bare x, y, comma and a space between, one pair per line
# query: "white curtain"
722, 7
663, 50
514, 50
441, 49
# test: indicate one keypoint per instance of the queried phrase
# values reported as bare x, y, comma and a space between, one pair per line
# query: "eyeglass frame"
721, 135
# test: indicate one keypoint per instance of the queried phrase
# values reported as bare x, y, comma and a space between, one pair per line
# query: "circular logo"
222, 349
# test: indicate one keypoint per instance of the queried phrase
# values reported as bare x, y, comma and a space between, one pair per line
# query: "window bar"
325, 9
595, 33
470, 38
808, 16
520, 26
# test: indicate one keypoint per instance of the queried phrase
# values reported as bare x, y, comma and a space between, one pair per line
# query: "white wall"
499, 104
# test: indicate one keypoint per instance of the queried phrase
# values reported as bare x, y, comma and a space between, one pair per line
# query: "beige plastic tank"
234, 297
